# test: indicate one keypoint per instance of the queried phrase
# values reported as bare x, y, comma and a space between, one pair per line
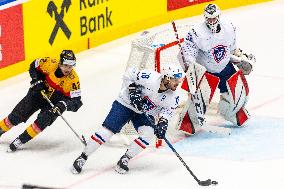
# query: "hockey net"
155, 50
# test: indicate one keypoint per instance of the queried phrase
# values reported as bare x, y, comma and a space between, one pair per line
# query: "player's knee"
16, 119
45, 118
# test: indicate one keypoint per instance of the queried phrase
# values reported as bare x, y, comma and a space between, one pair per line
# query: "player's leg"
146, 137
22, 112
118, 116
233, 101
44, 119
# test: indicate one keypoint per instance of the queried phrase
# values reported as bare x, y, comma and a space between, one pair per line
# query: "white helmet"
173, 71
212, 17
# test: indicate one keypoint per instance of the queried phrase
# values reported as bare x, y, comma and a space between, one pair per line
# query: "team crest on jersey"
219, 52
148, 104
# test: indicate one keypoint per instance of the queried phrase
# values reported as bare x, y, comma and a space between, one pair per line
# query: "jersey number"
76, 86
145, 75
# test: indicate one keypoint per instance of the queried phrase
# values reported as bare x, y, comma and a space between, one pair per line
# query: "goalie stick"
207, 182
83, 140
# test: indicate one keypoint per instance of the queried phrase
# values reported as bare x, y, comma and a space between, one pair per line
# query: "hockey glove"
135, 96
59, 108
247, 60
37, 86
161, 128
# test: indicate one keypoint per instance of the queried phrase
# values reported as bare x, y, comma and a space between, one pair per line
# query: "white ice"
252, 157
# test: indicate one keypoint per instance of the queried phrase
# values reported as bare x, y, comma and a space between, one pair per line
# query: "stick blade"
207, 182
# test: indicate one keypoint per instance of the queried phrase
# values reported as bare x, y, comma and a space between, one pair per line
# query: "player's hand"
161, 128
135, 96
59, 108
37, 86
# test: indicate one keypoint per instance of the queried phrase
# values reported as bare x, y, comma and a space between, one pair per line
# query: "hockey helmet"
172, 71
212, 17
67, 57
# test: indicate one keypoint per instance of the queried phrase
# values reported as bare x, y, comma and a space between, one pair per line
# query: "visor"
69, 62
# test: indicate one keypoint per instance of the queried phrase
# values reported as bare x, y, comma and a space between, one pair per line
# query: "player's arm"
36, 75
165, 115
70, 103
132, 77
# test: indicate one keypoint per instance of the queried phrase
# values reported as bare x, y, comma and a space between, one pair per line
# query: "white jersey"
211, 50
154, 103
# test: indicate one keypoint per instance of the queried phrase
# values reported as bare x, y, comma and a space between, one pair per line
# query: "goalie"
145, 96
209, 56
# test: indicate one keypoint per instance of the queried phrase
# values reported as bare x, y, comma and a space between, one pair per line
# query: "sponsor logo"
177, 4
53, 12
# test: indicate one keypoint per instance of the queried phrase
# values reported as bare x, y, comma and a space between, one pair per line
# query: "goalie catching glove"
161, 128
135, 92
246, 61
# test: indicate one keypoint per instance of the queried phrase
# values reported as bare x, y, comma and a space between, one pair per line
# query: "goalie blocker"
231, 105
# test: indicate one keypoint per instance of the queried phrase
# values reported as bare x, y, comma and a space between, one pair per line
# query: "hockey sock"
99, 138
138, 145
6, 125
30, 132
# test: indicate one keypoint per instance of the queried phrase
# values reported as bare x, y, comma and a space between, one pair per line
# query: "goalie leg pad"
196, 108
232, 103
188, 120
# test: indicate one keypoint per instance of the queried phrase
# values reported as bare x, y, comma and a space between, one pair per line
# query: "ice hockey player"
212, 44
59, 81
145, 96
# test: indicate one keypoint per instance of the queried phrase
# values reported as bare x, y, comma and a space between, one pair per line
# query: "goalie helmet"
67, 57
172, 72
212, 17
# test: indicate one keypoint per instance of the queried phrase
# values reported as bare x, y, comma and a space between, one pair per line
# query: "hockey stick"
196, 98
200, 182
83, 140
193, 86
29, 186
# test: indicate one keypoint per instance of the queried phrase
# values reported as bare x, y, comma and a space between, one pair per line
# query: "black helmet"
68, 57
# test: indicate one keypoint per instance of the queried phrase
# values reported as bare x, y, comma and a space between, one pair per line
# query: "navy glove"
135, 92
59, 108
161, 128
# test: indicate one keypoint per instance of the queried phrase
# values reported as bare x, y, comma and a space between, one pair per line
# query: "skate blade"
120, 170
10, 151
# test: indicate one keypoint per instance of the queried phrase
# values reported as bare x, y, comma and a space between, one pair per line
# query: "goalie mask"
212, 17
67, 57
